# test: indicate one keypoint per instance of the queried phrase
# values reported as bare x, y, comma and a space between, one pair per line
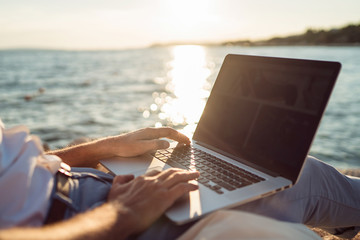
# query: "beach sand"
328, 236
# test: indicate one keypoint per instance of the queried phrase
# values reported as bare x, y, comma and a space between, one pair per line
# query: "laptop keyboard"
215, 173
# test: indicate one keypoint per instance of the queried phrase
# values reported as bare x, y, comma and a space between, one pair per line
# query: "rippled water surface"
63, 95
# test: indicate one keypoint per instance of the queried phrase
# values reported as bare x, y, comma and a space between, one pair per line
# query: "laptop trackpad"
136, 165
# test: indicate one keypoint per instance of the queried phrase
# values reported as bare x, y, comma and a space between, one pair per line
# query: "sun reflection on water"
186, 90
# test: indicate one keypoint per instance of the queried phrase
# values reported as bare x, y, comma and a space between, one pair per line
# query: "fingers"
153, 173
167, 179
180, 189
176, 182
154, 192
119, 185
165, 132
121, 179
152, 142
143, 141
155, 144
174, 176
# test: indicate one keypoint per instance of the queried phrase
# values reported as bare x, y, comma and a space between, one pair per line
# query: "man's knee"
312, 178
314, 168
322, 179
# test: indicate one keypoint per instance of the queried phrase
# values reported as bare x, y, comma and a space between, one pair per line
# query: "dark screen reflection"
267, 112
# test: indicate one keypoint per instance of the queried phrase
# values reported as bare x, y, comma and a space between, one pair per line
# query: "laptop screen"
265, 111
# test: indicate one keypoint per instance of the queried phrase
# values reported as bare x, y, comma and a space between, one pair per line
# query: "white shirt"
234, 224
26, 178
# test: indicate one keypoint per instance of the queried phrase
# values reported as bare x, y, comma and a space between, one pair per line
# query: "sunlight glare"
189, 85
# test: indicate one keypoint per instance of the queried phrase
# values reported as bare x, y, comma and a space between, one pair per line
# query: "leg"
323, 197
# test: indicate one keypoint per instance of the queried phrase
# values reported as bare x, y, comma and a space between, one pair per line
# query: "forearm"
126, 145
85, 154
104, 222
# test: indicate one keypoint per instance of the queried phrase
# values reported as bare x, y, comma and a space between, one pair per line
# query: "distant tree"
349, 34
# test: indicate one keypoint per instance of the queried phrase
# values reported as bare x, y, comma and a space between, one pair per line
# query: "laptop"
253, 136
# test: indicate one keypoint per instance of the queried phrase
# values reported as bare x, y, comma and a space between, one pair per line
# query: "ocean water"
64, 95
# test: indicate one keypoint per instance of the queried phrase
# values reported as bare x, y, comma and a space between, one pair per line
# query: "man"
131, 204
96, 206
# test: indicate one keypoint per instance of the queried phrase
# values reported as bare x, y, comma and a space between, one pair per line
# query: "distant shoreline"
255, 44
348, 35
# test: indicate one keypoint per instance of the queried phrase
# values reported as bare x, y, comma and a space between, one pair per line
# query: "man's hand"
145, 198
133, 205
144, 140
125, 145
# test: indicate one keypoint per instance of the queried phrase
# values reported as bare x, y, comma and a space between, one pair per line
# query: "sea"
64, 95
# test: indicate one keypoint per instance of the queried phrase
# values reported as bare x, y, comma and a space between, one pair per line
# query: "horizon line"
172, 43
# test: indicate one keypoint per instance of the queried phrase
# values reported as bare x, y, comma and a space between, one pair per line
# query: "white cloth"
241, 225
26, 178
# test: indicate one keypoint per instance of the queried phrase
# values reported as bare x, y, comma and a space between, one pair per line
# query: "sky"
119, 24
